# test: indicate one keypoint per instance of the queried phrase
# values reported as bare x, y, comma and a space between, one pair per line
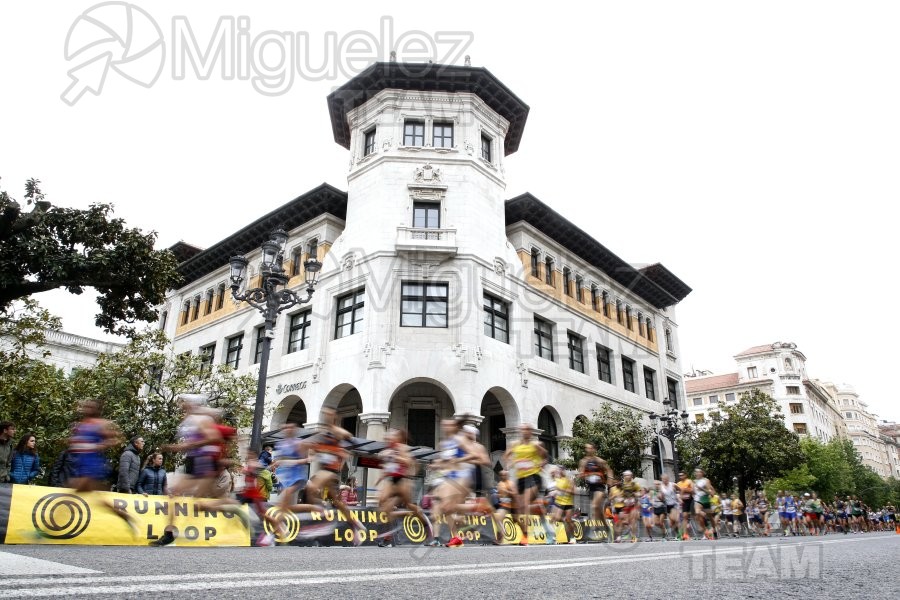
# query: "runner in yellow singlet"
526, 458
564, 502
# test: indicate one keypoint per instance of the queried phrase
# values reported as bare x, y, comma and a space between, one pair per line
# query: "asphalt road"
834, 566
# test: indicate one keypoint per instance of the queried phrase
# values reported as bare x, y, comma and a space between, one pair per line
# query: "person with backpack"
26, 465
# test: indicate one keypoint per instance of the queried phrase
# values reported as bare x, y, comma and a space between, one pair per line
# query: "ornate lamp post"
269, 300
669, 425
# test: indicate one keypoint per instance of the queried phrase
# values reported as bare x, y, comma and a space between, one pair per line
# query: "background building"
68, 351
779, 370
438, 296
810, 407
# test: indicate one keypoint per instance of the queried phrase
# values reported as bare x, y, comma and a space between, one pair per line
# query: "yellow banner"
60, 516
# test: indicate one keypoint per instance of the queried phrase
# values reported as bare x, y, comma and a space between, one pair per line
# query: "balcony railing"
428, 240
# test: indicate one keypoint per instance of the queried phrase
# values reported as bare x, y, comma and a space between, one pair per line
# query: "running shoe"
266, 539
455, 542
165, 540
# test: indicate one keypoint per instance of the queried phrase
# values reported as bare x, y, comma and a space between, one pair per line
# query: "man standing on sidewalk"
130, 466
7, 433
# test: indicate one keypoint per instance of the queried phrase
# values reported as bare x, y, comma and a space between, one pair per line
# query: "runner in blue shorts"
90, 438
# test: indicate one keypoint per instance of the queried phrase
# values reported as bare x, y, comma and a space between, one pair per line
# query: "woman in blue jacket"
26, 465
152, 480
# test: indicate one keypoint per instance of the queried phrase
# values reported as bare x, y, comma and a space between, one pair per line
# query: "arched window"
547, 424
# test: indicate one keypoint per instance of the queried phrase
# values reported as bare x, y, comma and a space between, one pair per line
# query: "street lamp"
270, 301
669, 425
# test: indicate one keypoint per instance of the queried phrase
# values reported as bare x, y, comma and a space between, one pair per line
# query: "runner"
90, 438
762, 503
670, 496
596, 474
658, 502
327, 447
703, 491
455, 482
506, 502
737, 508
253, 496
201, 443
647, 511
781, 508
686, 491
395, 493
728, 514
811, 510
791, 510
527, 458
292, 469
628, 493
564, 503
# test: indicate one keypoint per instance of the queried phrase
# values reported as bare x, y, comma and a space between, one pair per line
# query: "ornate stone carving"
427, 174
470, 149
317, 369
499, 266
523, 373
349, 261
386, 144
427, 193
469, 356
376, 354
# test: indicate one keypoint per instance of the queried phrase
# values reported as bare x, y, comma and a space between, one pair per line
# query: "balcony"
428, 242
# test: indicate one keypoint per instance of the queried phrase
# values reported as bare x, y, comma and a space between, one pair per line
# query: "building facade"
778, 370
862, 428
68, 351
438, 296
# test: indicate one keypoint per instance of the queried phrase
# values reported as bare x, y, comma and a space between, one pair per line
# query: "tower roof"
427, 77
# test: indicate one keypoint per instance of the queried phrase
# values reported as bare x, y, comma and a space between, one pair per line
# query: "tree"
828, 464
618, 434
52, 247
750, 442
139, 386
34, 395
798, 480
688, 447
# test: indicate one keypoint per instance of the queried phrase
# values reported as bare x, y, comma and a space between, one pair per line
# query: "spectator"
130, 466
62, 469
348, 493
152, 481
265, 483
7, 433
26, 465
265, 457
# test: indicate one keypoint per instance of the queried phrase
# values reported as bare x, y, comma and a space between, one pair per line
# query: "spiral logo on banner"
290, 524
509, 530
414, 529
577, 530
61, 516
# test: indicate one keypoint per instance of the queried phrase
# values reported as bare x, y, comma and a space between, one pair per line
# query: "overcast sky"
752, 148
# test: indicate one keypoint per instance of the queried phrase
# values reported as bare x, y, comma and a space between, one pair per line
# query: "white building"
68, 351
438, 296
779, 370
863, 429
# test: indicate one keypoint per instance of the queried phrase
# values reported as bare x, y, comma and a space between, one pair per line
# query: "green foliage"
750, 442
38, 397
33, 395
688, 447
618, 434
828, 464
52, 247
797, 480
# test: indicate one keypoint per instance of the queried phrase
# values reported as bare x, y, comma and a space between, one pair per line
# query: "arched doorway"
500, 412
348, 409
418, 407
291, 409
549, 426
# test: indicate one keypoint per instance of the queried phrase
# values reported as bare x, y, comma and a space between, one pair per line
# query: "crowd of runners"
689, 508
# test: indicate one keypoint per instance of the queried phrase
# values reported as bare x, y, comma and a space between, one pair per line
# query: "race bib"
593, 479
